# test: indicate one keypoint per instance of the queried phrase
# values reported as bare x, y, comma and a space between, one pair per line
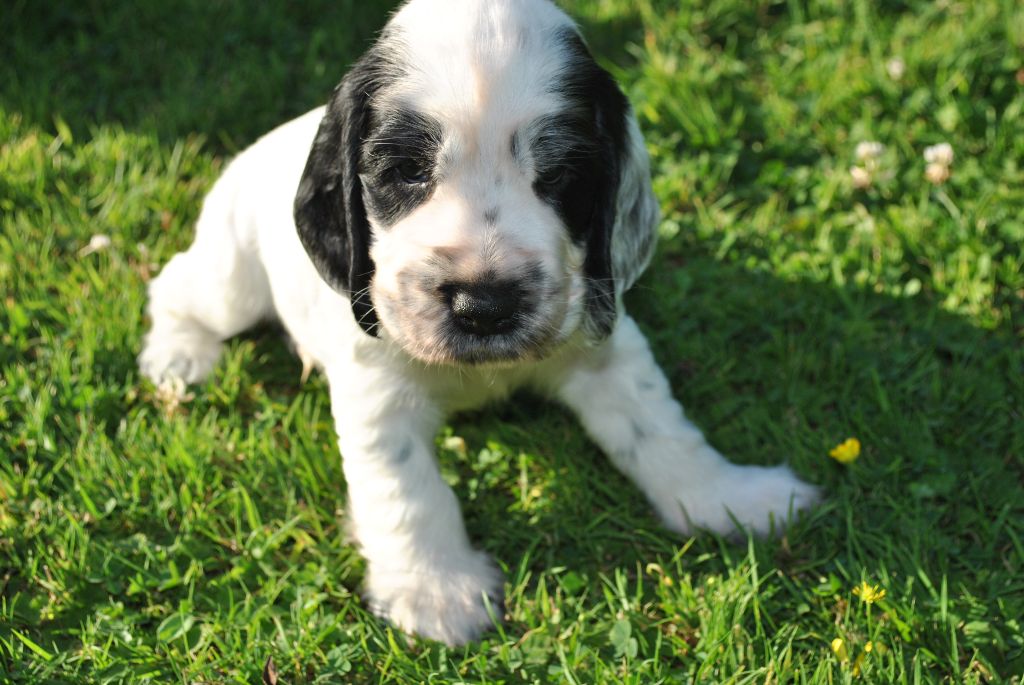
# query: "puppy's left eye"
412, 171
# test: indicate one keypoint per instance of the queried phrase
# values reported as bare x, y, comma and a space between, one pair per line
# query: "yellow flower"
869, 593
839, 649
847, 451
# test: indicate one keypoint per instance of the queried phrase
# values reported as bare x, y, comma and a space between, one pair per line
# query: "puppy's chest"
469, 388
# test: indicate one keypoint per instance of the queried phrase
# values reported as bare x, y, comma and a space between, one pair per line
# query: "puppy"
461, 220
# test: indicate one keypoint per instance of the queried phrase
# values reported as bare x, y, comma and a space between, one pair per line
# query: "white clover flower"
936, 173
869, 150
939, 154
861, 177
896, 67
97, 243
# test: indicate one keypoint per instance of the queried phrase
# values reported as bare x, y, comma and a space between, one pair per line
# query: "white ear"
636, 221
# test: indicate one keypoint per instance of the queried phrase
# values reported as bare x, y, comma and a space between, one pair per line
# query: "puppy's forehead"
476, 61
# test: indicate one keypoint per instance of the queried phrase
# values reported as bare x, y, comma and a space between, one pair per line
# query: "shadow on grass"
231, 71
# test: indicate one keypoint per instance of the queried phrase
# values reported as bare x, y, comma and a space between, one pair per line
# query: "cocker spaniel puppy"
461, 220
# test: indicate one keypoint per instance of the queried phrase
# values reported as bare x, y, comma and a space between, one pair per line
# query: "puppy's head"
478, 186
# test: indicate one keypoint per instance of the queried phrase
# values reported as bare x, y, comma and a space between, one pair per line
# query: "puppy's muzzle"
484, 309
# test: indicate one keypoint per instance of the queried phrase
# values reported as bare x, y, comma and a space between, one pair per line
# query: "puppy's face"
471, 195
485, 154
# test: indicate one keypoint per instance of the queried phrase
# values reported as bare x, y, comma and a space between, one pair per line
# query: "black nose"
483, 308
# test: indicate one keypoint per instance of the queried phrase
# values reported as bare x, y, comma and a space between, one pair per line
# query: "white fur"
388, 401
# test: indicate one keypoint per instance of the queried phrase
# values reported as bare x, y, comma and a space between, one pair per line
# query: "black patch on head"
578, 156
567, 165
491, 216
330, 214
398, 165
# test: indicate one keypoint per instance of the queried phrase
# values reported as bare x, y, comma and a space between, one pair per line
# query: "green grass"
790, 310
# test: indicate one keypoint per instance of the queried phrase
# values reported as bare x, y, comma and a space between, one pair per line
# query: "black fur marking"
491, 216
568, 167
578, 157
330, 214
398, 141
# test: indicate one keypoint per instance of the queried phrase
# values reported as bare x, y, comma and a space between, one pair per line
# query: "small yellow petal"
839, 649
869, 593
847, 451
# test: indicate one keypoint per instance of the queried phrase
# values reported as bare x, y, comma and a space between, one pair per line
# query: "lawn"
793, 303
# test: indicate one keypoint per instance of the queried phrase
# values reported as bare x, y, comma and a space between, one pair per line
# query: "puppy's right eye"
554, 177
412, 172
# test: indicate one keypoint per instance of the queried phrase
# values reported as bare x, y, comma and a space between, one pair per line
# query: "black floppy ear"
610, 108
623, 224
329, 211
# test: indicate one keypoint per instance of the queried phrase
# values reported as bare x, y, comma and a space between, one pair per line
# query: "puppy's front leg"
625, 403
423, 575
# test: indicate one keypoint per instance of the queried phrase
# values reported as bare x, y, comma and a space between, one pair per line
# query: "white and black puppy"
461, 220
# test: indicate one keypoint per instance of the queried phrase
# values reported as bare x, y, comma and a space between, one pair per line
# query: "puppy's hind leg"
215, 289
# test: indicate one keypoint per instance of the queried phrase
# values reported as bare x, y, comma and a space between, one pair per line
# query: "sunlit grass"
791, 309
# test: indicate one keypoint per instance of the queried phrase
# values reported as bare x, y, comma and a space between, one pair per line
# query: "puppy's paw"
188, 355
758, 498
446, 602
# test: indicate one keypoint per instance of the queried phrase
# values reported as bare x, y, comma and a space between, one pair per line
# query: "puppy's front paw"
445, 601
754, 497
187, 355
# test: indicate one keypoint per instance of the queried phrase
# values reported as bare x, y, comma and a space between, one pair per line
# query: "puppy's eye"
412, 171
553, 177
